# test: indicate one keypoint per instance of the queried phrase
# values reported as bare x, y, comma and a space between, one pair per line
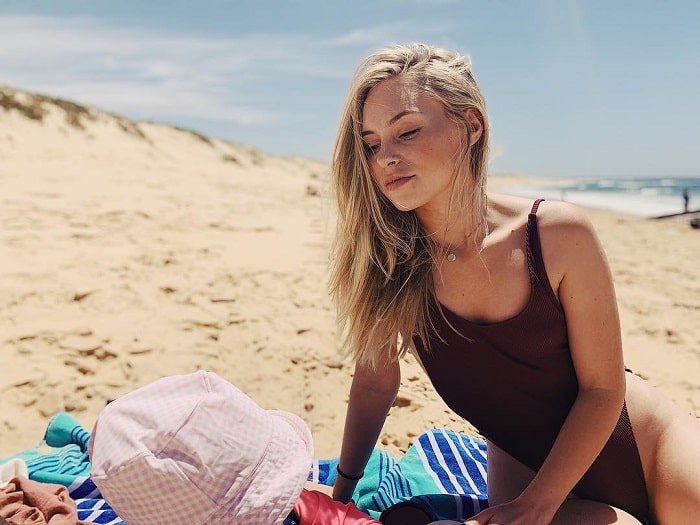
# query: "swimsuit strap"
535, 261
536, 205
532, 239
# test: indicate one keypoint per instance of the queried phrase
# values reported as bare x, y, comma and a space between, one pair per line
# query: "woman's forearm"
371, 395
583, 435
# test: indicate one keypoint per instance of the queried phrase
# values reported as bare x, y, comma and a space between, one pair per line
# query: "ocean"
644, 196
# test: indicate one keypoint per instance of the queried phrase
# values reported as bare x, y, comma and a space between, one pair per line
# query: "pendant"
451, 256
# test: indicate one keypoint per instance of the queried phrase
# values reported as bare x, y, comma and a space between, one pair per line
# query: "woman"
508, 305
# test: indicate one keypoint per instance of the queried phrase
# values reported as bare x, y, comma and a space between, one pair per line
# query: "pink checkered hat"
193, 449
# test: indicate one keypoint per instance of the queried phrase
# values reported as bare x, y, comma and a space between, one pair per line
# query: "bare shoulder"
569, 241
553, 217
562, 224
507, 212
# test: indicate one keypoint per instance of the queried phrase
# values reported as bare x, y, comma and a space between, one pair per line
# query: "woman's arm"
571, 248
578, 271
371, 396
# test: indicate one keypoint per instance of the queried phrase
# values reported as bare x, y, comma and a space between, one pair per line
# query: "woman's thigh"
507, 478
674, 487
576, 511
669, 445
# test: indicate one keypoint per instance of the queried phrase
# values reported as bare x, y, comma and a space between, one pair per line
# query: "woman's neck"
455, 234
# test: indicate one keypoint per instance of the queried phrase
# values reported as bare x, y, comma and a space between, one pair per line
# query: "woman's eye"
409, 134
371, 149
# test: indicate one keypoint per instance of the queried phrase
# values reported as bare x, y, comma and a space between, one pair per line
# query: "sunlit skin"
406, 133
413, 147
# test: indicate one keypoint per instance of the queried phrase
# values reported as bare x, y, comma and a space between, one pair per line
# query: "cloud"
262, 84
141, 73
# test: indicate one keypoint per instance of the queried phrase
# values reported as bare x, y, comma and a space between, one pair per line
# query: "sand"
136, 250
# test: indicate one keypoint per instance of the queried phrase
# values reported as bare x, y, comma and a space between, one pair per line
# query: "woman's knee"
575, 511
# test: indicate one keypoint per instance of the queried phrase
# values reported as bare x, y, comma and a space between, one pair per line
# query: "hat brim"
278, 482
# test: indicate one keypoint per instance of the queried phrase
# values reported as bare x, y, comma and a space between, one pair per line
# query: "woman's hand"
515, 512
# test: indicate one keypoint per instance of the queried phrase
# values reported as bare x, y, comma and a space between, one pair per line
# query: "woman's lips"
397, 182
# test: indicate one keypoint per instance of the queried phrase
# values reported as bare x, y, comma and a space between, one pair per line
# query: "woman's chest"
486, 289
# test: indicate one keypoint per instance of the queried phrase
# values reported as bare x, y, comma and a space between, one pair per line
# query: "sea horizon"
643, 196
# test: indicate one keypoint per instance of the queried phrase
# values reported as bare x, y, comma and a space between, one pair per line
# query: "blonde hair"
382, 260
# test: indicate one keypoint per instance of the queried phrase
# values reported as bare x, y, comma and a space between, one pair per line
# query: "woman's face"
412, 146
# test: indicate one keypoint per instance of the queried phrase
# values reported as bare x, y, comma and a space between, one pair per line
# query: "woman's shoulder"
563, 223
563, 228
567, 237
554, 212
552, 215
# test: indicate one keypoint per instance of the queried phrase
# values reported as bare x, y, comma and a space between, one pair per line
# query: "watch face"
292, 519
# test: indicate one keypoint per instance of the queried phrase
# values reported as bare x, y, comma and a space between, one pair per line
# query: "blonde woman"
508, 305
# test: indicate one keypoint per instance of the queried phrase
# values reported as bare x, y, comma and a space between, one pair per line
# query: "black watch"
292, 519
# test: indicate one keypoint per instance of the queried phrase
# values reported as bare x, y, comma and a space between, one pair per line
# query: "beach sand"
133, 251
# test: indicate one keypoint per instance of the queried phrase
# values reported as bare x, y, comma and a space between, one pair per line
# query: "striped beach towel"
442, 470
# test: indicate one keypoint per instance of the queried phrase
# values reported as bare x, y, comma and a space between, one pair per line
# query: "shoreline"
626, 196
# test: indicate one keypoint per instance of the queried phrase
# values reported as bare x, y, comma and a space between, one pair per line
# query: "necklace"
451, 254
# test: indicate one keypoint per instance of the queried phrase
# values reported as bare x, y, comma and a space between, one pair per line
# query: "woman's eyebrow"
396, 117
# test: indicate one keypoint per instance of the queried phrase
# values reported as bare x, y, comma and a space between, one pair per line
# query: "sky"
574, 88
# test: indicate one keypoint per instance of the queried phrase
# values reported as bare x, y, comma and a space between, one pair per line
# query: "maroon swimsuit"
514, 380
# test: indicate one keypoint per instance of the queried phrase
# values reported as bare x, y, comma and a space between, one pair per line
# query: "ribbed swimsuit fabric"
514, 380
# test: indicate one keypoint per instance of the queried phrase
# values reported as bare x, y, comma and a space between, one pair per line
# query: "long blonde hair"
382, 260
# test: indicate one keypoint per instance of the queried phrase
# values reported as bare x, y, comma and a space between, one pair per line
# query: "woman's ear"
476, 128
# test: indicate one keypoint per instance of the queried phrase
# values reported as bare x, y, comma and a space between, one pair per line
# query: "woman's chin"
404, 204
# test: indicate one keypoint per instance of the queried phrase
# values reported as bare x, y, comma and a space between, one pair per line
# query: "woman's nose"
386, 155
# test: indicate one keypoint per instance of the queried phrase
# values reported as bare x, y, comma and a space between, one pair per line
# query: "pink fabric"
194, 450
28, 502
316, 508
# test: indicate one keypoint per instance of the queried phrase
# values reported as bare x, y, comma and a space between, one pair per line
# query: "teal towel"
61, 456
443, 470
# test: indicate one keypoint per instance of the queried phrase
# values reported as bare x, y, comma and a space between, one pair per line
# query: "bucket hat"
193, 449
